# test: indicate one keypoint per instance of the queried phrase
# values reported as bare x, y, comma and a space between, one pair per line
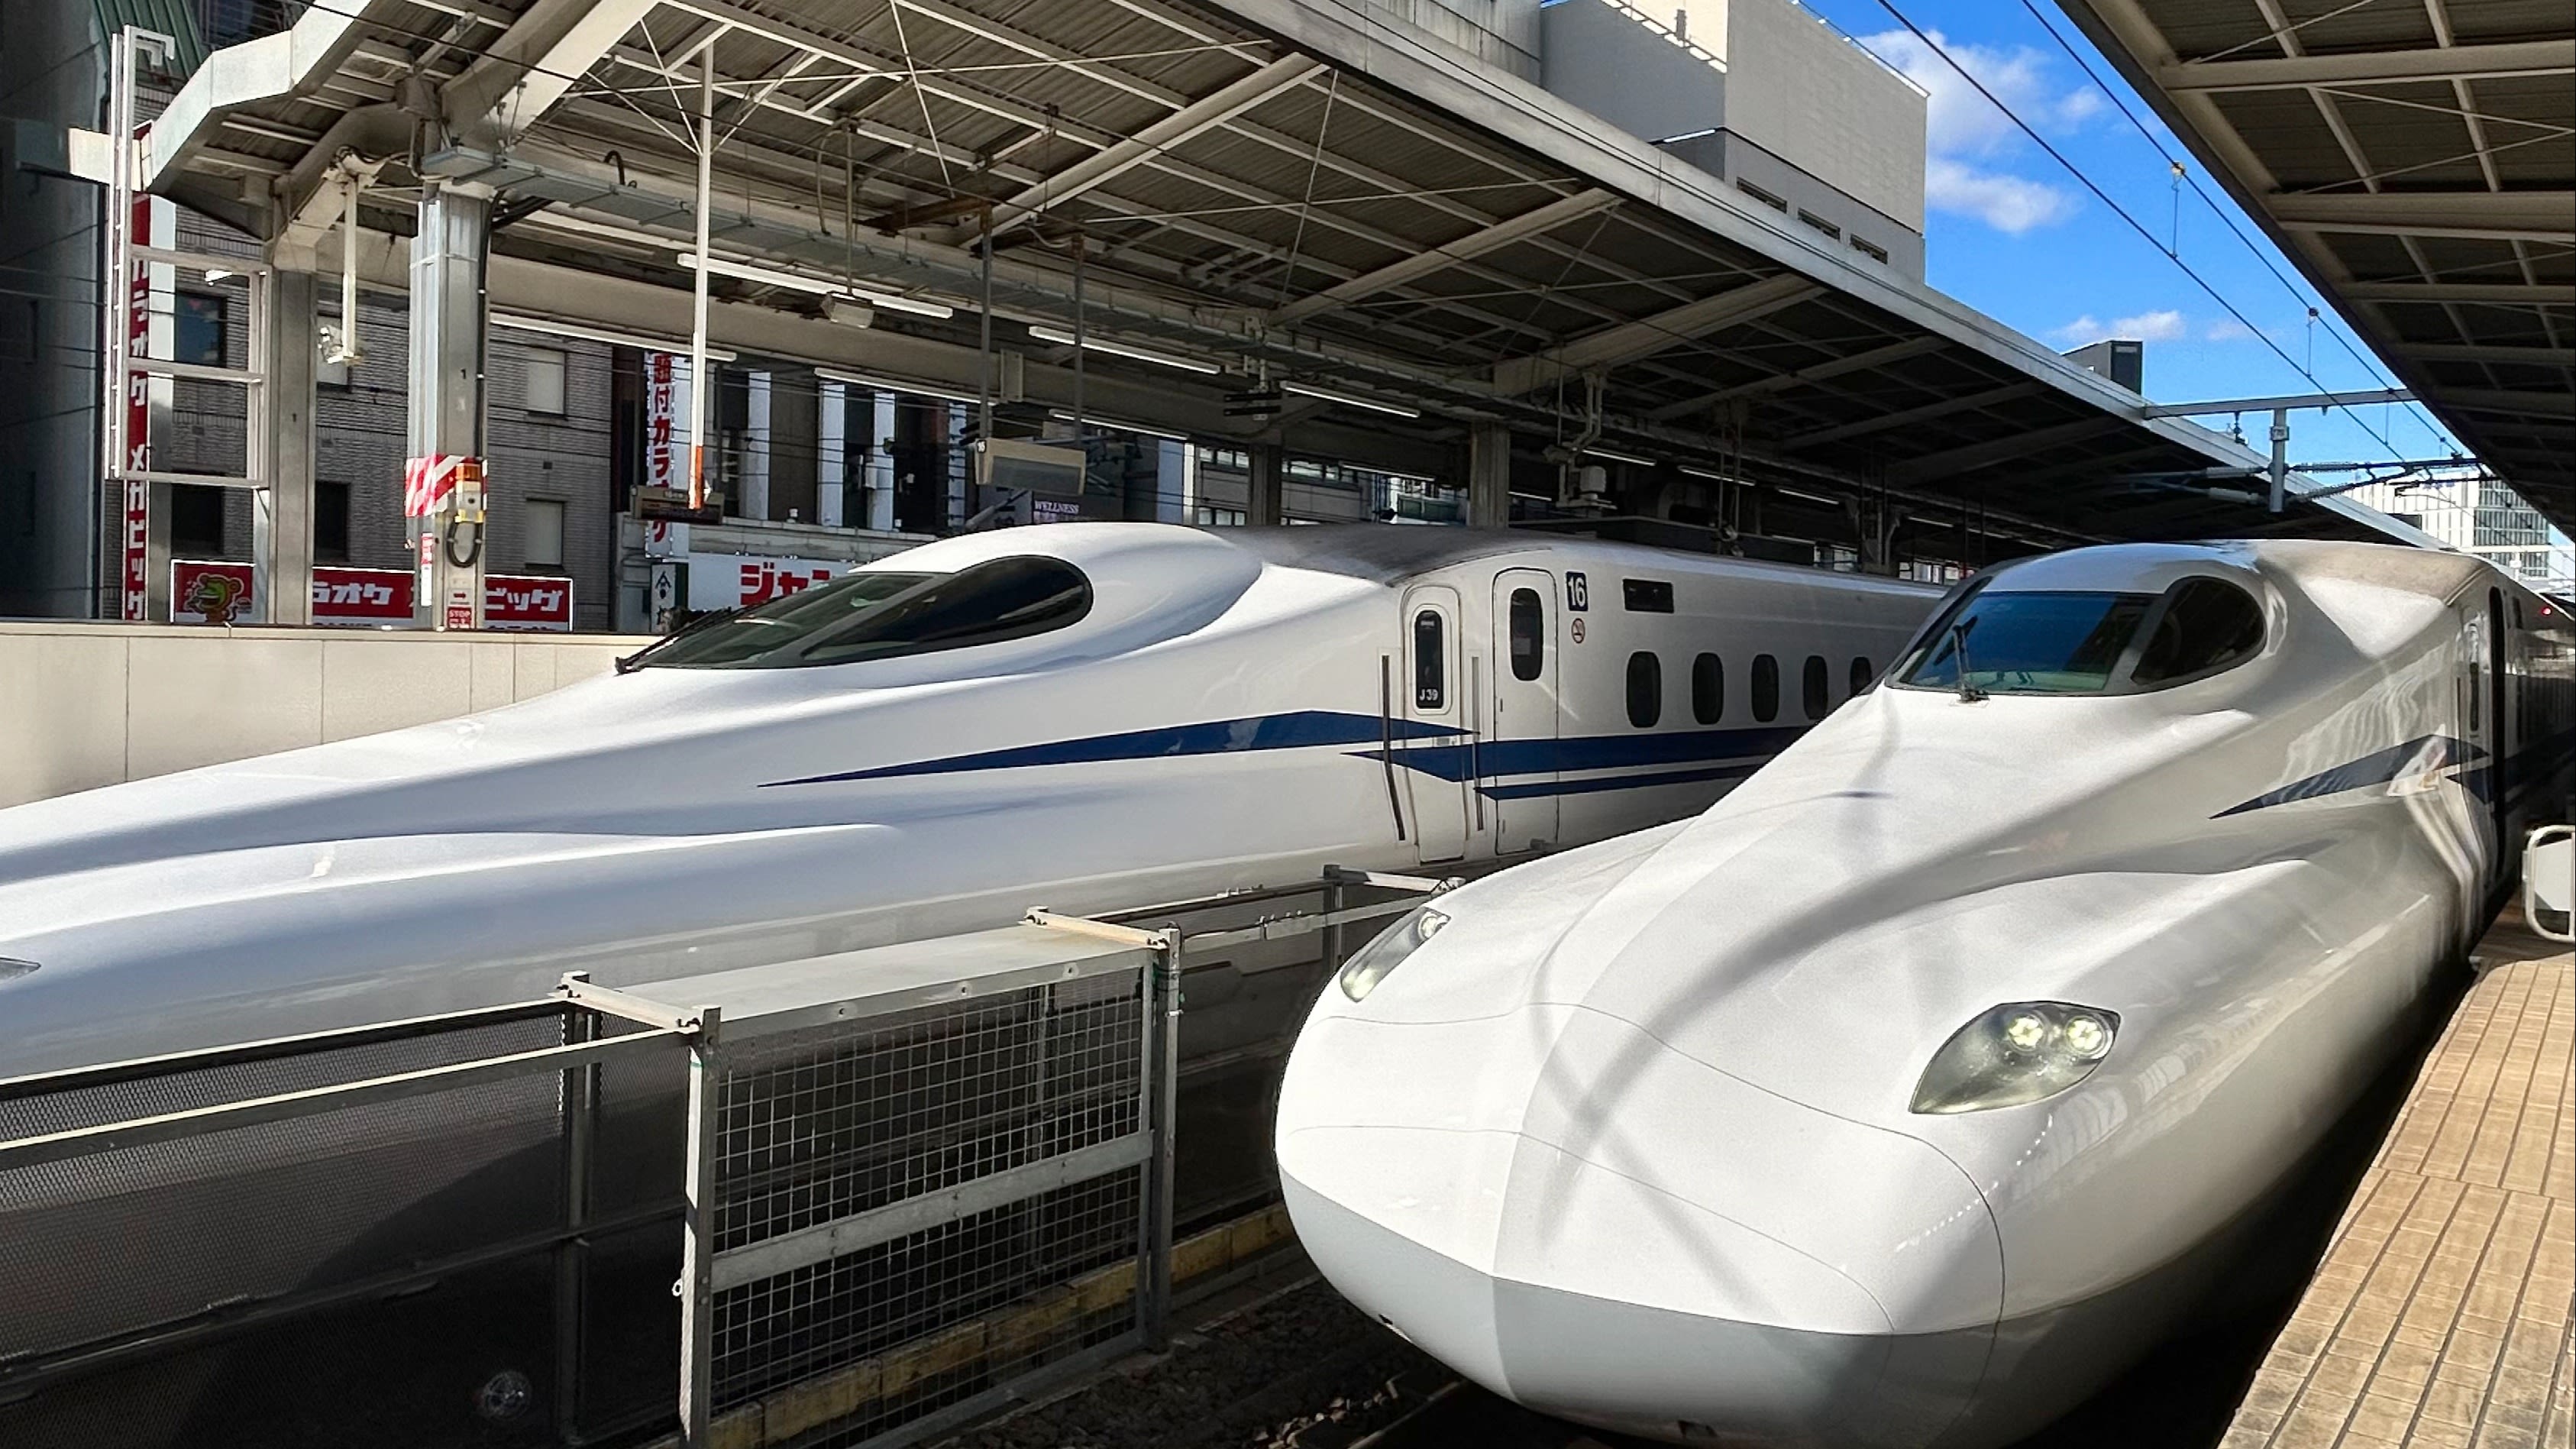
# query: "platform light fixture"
523, 322
1307, 389
1088, 419
890, 384
1063, 338
816, 286
1619, 457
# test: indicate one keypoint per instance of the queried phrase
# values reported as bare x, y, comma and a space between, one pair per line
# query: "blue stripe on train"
2382, 766
1300, 730
1428, 749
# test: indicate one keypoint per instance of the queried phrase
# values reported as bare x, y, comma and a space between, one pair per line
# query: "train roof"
1386, 553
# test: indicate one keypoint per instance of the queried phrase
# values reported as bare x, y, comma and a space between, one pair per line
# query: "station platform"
2440, 1316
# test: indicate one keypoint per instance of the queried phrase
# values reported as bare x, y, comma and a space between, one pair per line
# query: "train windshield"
2082, 642
871, 615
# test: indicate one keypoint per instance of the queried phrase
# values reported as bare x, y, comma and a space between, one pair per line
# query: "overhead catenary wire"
2183, 176
2125, 215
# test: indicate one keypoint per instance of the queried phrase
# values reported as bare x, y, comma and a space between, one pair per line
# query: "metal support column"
443, 485
696, 1289
2280, 457
1263, 502
1162, 1097
282, 512
580, 1129
1489, 476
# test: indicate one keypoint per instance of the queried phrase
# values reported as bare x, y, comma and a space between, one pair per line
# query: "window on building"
1646, 596
1869, 249
1708, 689
1861, 674
330, 522
1645, 689
1766, 688
544, 389
545, 534
1820, 224
1760, 195
1214, 517
196, 521
199, 329
1528, 630
1816, 687
1430, 666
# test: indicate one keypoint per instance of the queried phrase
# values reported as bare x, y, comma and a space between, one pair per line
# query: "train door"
1435, 751
1520, 743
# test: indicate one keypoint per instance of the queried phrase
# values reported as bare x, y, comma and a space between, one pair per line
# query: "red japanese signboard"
207, 592
513, 602
361, 596
351, 596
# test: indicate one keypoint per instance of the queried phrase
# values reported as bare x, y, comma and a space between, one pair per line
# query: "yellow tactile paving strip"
2441, 1317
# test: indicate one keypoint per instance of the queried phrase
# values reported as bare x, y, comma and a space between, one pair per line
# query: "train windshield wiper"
1968, 691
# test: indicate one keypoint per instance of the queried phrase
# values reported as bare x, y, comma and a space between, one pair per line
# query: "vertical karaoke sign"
137, 606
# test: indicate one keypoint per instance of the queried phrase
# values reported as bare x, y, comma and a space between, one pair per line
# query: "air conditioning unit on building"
1030, 467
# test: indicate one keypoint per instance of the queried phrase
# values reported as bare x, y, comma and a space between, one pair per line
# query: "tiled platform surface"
2441, 1317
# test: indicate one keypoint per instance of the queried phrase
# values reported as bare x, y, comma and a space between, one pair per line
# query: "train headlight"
1370, 965
2019, 1052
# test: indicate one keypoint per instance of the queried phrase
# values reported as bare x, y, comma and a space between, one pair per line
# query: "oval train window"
1708, 689
1528, 634
1861, 674
1815, 687
1766, 688
1645, 689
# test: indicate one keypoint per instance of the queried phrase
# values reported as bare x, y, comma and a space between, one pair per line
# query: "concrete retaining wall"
89, 704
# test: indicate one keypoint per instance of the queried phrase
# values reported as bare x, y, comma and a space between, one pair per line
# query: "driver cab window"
2049, 641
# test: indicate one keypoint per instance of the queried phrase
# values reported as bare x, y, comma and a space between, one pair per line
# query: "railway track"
1458, 1414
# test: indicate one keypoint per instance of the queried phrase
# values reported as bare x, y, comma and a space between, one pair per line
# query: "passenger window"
1816, 688
1861, 674
1645, 690
2207, 625
1766, 688
1529, 642
1708, 689
1430, 670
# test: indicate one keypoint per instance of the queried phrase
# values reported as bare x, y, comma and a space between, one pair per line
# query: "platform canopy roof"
2417, 159
1288, 190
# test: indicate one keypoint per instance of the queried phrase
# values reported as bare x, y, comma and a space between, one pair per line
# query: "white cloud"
1964, 128
2228, 330
2163, 326
2166, 325
2000, 199
1963, 122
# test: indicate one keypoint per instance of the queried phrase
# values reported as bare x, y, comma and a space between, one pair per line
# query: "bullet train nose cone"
1573, 1214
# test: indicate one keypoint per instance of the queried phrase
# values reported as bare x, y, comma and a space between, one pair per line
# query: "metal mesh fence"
932, 1147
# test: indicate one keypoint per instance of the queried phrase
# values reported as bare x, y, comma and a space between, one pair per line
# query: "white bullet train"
1905, 1096
1084, 716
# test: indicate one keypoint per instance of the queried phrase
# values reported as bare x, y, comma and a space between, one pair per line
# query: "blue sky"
2017, 236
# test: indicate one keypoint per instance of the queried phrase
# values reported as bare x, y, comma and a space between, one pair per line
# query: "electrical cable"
2124, 214
2184, 174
